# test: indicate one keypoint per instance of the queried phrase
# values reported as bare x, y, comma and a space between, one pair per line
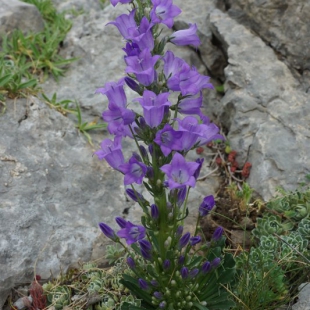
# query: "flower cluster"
164, 133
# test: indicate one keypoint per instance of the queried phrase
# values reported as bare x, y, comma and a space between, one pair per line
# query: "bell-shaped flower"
168, 139
143, 35
143, 66
190, 105
132, 49
209, 133
111, 151
153, 107
179, 172
115, 93
132, 233
186, 36
126, 24
164, 11
134, 171
118, 118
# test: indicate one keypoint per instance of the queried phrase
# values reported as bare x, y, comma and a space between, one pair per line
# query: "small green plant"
86, 126
243, 195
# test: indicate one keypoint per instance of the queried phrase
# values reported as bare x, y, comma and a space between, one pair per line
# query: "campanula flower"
153, 107
132, 233
133, 85
143, 35
108, 231
118, 118
206, 205
186, 37
164, 11
134, 171
132, 49
190, 105
143, 66
115, 93
111, 151
180, 172
168, 139
126, 24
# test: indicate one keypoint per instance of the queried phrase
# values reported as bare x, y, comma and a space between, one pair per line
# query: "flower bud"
184, 240
131, 262
181, 196
194, 240
197, 172
162, 305
216, 262
167, 264
184, 272
206, 205
135, 196
108, 231
181, 260
154, 211
179, 231
158, 295
193, 273
121, 222
167, 243
206, 267
133, 85
217, 234
143, 152
143, 284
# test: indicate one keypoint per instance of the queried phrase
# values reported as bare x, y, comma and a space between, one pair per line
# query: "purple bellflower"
115, 93
115, 2
206, 205
168, 139
134, 171
132, 49
164, 11
111, 151
108, 231
143, 66
126, 24
143, 36
186, 37
118, 118
132, 233
209, 133
153, 107
190, 105
179, 172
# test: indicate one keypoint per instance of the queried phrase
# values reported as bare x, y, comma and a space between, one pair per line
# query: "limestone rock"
283, 24
15, 14
264, 108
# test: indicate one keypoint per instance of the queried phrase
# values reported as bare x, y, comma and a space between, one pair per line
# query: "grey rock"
265, 111
15, 14
284, 25
303, 302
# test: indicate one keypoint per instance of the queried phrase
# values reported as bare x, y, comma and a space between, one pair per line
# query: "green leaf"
199, 306
5, 79
28, 84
